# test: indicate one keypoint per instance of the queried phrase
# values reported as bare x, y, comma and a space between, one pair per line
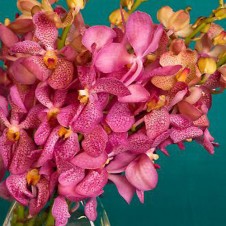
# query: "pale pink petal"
60, 211
62, 75
17, 187
189, 110
97, 37
91, 209
178, 135
22, 156
94, 143
86, 161
119, 118
42, 133
38, 203
156, 122
120, 162
93, 183
138, 94
125, 189
142, 174
140, 195
139, 31
45, 30
28, 47
7, 36
36, 66
112, 86
107, 62
21, 73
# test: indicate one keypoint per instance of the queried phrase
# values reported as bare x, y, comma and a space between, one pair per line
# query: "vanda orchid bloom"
94, 105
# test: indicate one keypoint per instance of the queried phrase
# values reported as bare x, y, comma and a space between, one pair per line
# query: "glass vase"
78, 218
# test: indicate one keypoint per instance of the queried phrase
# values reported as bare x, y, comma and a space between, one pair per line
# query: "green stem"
20, 212
199, 29
50, 219
32, 221
136, 5
61, 41
221, 3
221, 61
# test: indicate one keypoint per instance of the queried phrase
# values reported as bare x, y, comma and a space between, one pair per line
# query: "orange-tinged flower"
207, 65
178, 21
115, 17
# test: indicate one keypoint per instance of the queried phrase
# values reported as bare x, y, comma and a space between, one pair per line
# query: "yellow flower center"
83, 96
52, 113
182, 75
64, 132
13, 134
33, 177
50, 59
156, 104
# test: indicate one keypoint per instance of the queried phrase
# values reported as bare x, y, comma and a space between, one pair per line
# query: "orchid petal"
21, 73
45, 30
7, 36
60, 211
28, 47
72, 176
179, 121
140, 195
17, 187
107, 62
138, 94
86, 161
42, 133
97, 37
93, 183
86, 75
125, 189
119, 118
42, 93
16, 98
91, 209
112, 86
187, 133
69, 148
156, 122
35, 64
94, 143
37, 204
62, 75
142, 174
22, 160
4, 193
139, 31
5, 149
88, 119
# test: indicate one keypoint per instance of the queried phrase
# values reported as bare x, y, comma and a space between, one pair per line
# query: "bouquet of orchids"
84, 106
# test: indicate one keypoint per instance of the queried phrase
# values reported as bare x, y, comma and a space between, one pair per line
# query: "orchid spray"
84, 106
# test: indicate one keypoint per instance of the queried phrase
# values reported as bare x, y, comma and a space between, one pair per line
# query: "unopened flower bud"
220, 14
220, 39
207, 65
115, 17
7, 22
127, 3
76, 4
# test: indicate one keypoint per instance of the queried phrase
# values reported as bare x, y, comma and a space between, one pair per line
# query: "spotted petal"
91, 209
62, 75
60, 211
119, 118
45, 30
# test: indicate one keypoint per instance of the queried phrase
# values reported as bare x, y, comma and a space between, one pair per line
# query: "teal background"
192, 184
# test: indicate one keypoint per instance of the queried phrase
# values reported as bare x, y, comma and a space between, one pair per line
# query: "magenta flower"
44, 64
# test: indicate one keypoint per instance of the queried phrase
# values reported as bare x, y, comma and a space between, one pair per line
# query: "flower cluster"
97, 104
